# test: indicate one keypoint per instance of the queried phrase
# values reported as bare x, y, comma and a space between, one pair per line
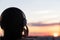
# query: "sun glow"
55, 34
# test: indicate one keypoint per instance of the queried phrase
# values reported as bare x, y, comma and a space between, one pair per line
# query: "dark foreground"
41, 38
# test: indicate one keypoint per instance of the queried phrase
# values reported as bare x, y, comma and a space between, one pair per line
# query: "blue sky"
35, 10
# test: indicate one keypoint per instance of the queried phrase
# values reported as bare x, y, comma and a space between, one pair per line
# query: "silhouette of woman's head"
13, 20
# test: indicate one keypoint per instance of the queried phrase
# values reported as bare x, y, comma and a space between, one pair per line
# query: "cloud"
42, 15
42, 24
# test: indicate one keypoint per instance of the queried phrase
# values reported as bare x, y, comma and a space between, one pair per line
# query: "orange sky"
43, 30
1, 32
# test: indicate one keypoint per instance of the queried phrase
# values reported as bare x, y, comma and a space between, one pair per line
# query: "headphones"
25, 28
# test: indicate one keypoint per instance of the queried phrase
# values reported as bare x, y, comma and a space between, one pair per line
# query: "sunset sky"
44, 30
43, 11
41, 30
